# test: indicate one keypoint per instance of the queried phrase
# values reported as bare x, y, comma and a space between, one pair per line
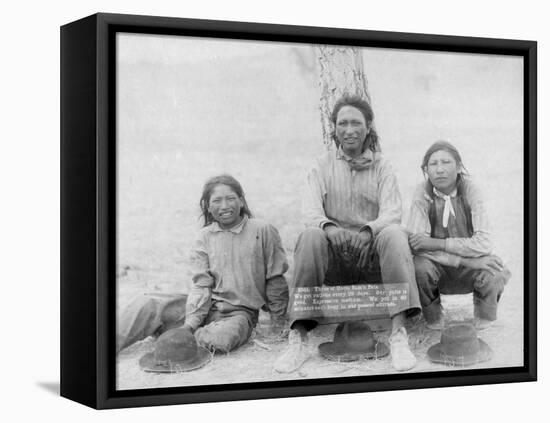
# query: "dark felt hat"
176, 350
460, 346
353, 341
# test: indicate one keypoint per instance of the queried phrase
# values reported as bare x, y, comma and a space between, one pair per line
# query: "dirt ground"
254, 361
254, 113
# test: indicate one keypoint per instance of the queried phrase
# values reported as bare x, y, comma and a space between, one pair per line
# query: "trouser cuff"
433, 312
483, 310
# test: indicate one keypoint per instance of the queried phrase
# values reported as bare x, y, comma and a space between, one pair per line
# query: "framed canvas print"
257, 211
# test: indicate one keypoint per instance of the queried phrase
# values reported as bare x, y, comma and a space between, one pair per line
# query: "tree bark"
340, 72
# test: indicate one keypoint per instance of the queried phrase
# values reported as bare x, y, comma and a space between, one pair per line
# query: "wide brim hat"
353, 341
175, 351
460, 346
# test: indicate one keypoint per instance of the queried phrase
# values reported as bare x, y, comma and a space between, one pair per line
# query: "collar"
215, 227
442, 195
362, 161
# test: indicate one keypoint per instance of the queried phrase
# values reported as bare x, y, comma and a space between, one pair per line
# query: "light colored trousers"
225, 328
316, 264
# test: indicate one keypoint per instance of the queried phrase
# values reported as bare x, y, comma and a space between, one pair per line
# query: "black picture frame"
88, 239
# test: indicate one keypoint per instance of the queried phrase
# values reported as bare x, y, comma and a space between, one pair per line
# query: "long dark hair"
452, 150
372, 141
209, 186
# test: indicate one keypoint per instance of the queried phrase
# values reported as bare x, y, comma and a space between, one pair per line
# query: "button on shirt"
340, 193
234, 265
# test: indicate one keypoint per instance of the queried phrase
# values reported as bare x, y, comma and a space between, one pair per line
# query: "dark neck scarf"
361, 162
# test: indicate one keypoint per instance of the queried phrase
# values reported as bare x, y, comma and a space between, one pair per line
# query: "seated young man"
238, 265
449, 235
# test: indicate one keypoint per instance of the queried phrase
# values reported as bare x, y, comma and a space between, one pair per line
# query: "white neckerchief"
448, 209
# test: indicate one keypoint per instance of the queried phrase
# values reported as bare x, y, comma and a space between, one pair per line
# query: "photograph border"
88, 209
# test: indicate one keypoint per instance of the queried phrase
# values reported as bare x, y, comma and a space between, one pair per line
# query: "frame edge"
78, 311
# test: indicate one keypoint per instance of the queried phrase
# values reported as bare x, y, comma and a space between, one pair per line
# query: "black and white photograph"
275, 211
295, 211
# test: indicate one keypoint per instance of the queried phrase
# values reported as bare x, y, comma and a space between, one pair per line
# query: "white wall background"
30, 212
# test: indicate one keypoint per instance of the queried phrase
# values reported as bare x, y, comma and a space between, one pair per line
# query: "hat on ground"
353, 341
176, 350
460, 346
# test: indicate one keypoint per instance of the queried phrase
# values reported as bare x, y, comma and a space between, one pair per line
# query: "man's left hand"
359, 247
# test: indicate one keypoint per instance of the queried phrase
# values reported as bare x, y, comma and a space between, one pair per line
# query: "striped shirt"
457, 242
352, 199
234, 266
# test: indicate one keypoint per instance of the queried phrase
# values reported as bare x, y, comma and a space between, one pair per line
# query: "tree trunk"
340, 72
